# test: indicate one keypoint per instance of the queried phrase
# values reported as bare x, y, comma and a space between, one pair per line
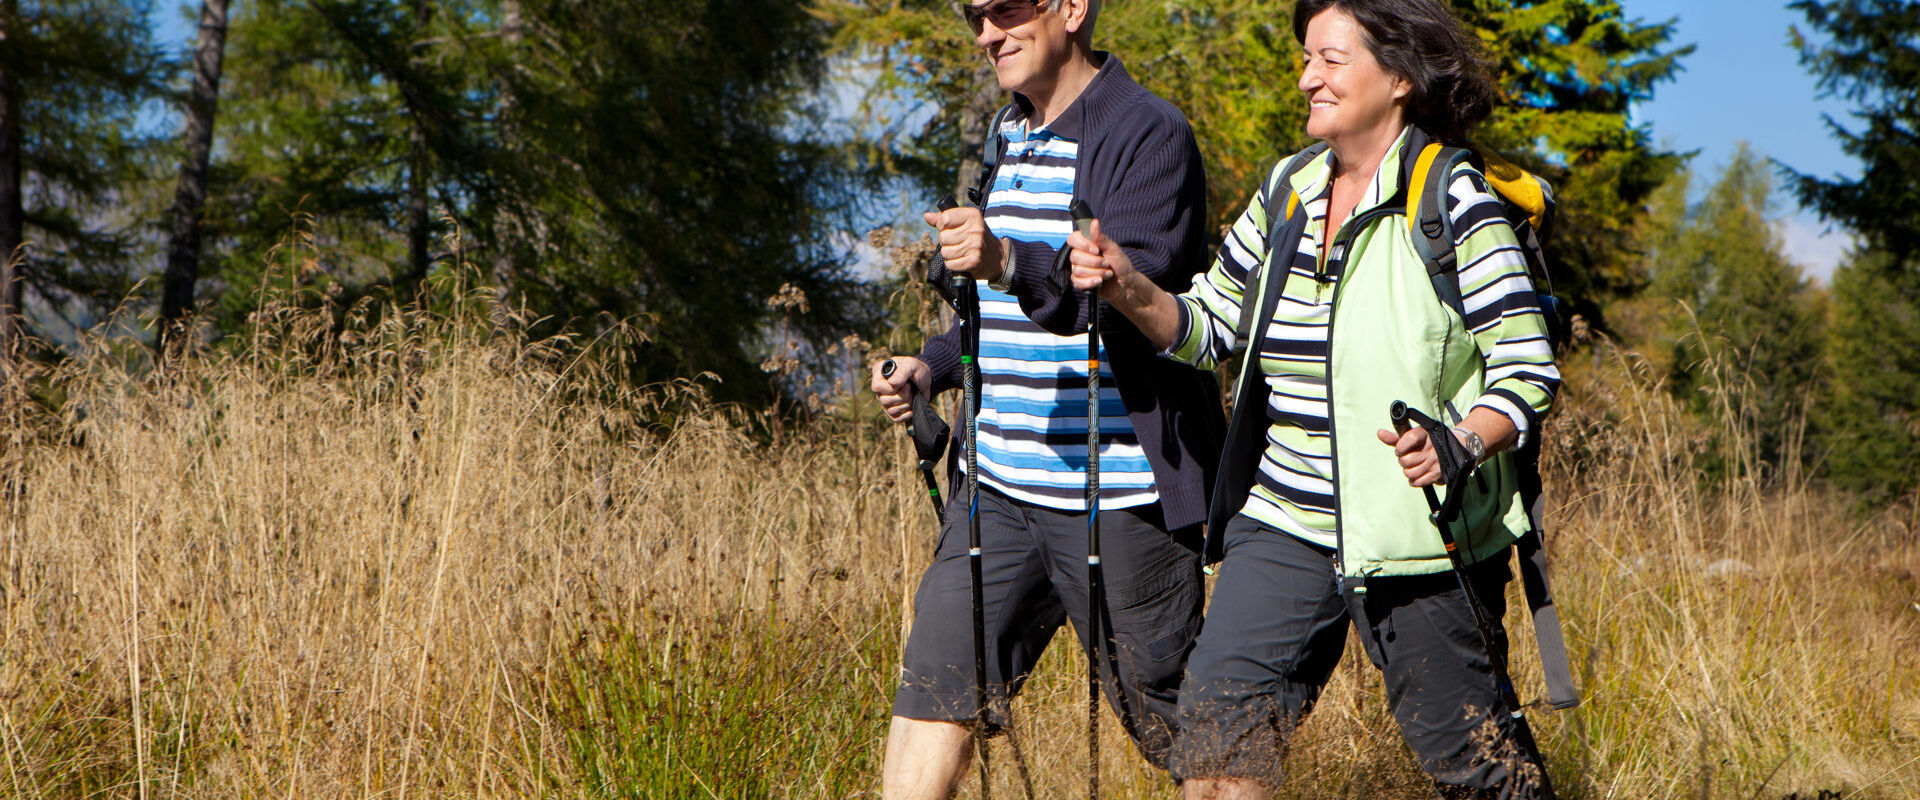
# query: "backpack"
1427, 169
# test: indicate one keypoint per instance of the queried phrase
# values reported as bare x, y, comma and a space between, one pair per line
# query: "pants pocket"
1161, 611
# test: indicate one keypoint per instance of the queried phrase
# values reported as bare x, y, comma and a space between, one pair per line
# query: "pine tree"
72, 74
361, 115
1747, 354
1864, 51
674, 170
641, 160
190, 196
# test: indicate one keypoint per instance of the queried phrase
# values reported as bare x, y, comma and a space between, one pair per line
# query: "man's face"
1027, 41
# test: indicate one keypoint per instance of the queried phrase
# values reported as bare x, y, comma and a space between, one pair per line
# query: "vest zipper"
1342, 241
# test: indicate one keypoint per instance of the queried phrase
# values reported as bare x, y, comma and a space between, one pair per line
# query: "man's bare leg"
1225, 789
924, 759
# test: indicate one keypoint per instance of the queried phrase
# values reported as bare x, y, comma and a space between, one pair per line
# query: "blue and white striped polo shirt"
1033, 404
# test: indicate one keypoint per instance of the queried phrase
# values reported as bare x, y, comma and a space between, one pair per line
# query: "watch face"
1476, 446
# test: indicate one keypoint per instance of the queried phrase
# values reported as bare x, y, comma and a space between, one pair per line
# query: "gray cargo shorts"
1033, 578
1278, 626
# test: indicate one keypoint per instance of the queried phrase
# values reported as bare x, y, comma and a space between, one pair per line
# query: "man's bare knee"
1224, 789
924, 759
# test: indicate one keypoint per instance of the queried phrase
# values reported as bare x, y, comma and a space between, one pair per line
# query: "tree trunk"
190, 197
981, 105
418, 230
510, 230
12, 213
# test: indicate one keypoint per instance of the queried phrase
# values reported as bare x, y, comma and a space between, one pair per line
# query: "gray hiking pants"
1276, 629
1034, 571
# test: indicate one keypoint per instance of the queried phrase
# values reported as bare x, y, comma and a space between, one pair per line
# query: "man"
1080, 127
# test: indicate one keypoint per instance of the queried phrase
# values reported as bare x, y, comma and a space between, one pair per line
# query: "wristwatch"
1476, 446
1004, 283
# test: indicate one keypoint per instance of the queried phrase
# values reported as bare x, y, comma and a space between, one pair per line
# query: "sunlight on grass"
409, 552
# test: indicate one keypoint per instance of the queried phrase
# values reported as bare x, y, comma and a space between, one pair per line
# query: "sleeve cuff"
1522, 418
1187, 345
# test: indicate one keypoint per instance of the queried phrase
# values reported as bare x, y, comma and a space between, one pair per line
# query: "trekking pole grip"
1455, 462
928, 431
947, 203
938, 277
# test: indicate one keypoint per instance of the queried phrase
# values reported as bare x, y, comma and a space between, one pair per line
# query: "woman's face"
1349, 95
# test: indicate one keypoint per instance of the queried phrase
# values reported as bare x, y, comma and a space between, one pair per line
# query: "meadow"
395, 552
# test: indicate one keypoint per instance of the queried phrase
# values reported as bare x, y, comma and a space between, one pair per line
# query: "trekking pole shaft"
933, 492
1096, 578
970, 384
1096, 589
1402, 417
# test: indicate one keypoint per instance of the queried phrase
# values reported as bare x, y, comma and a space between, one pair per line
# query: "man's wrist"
1137, 293
1003, 283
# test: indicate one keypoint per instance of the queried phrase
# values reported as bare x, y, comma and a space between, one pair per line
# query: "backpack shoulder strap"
1428, 222
1281, 185
1431, 229
989, 155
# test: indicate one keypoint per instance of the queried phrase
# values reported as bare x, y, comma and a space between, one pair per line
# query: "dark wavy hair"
1422, 42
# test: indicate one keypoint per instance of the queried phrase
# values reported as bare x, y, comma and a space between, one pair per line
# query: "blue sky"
1744, 82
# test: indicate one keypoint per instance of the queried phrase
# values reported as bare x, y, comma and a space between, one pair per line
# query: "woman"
1330, 530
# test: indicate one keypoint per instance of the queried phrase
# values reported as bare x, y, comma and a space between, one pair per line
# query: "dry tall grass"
427, 557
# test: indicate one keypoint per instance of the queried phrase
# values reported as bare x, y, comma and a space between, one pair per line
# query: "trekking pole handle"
1082, 217
1455, 462
942, 281
947, 203
928, 431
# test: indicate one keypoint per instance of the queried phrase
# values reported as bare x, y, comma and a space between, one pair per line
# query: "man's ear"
1075, 13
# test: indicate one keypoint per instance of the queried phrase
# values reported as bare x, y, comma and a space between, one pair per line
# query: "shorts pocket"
1161, 610
1171, 645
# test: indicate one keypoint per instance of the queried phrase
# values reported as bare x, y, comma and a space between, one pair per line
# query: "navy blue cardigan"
1139, 171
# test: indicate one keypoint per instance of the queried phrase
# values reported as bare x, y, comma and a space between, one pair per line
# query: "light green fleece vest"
1393, 339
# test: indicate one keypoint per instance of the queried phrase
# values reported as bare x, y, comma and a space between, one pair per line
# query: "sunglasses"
1005, 14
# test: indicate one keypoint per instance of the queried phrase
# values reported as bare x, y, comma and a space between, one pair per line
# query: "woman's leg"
1420, 632
1272, 636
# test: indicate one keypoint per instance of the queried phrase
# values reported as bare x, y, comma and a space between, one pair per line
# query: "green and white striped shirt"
1294, 489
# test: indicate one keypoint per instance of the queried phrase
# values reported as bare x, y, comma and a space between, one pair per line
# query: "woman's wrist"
1137, 294
1476, 446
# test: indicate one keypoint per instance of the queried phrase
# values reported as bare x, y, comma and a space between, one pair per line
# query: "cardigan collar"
1111, 79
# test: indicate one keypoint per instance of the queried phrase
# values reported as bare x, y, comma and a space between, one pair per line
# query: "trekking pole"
1455, 465
1096, 590
929, 433
966, 298
951, 288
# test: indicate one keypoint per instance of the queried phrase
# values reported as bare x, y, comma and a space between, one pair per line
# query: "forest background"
465, 398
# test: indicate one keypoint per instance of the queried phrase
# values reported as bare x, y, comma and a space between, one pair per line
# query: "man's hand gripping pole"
929, 433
